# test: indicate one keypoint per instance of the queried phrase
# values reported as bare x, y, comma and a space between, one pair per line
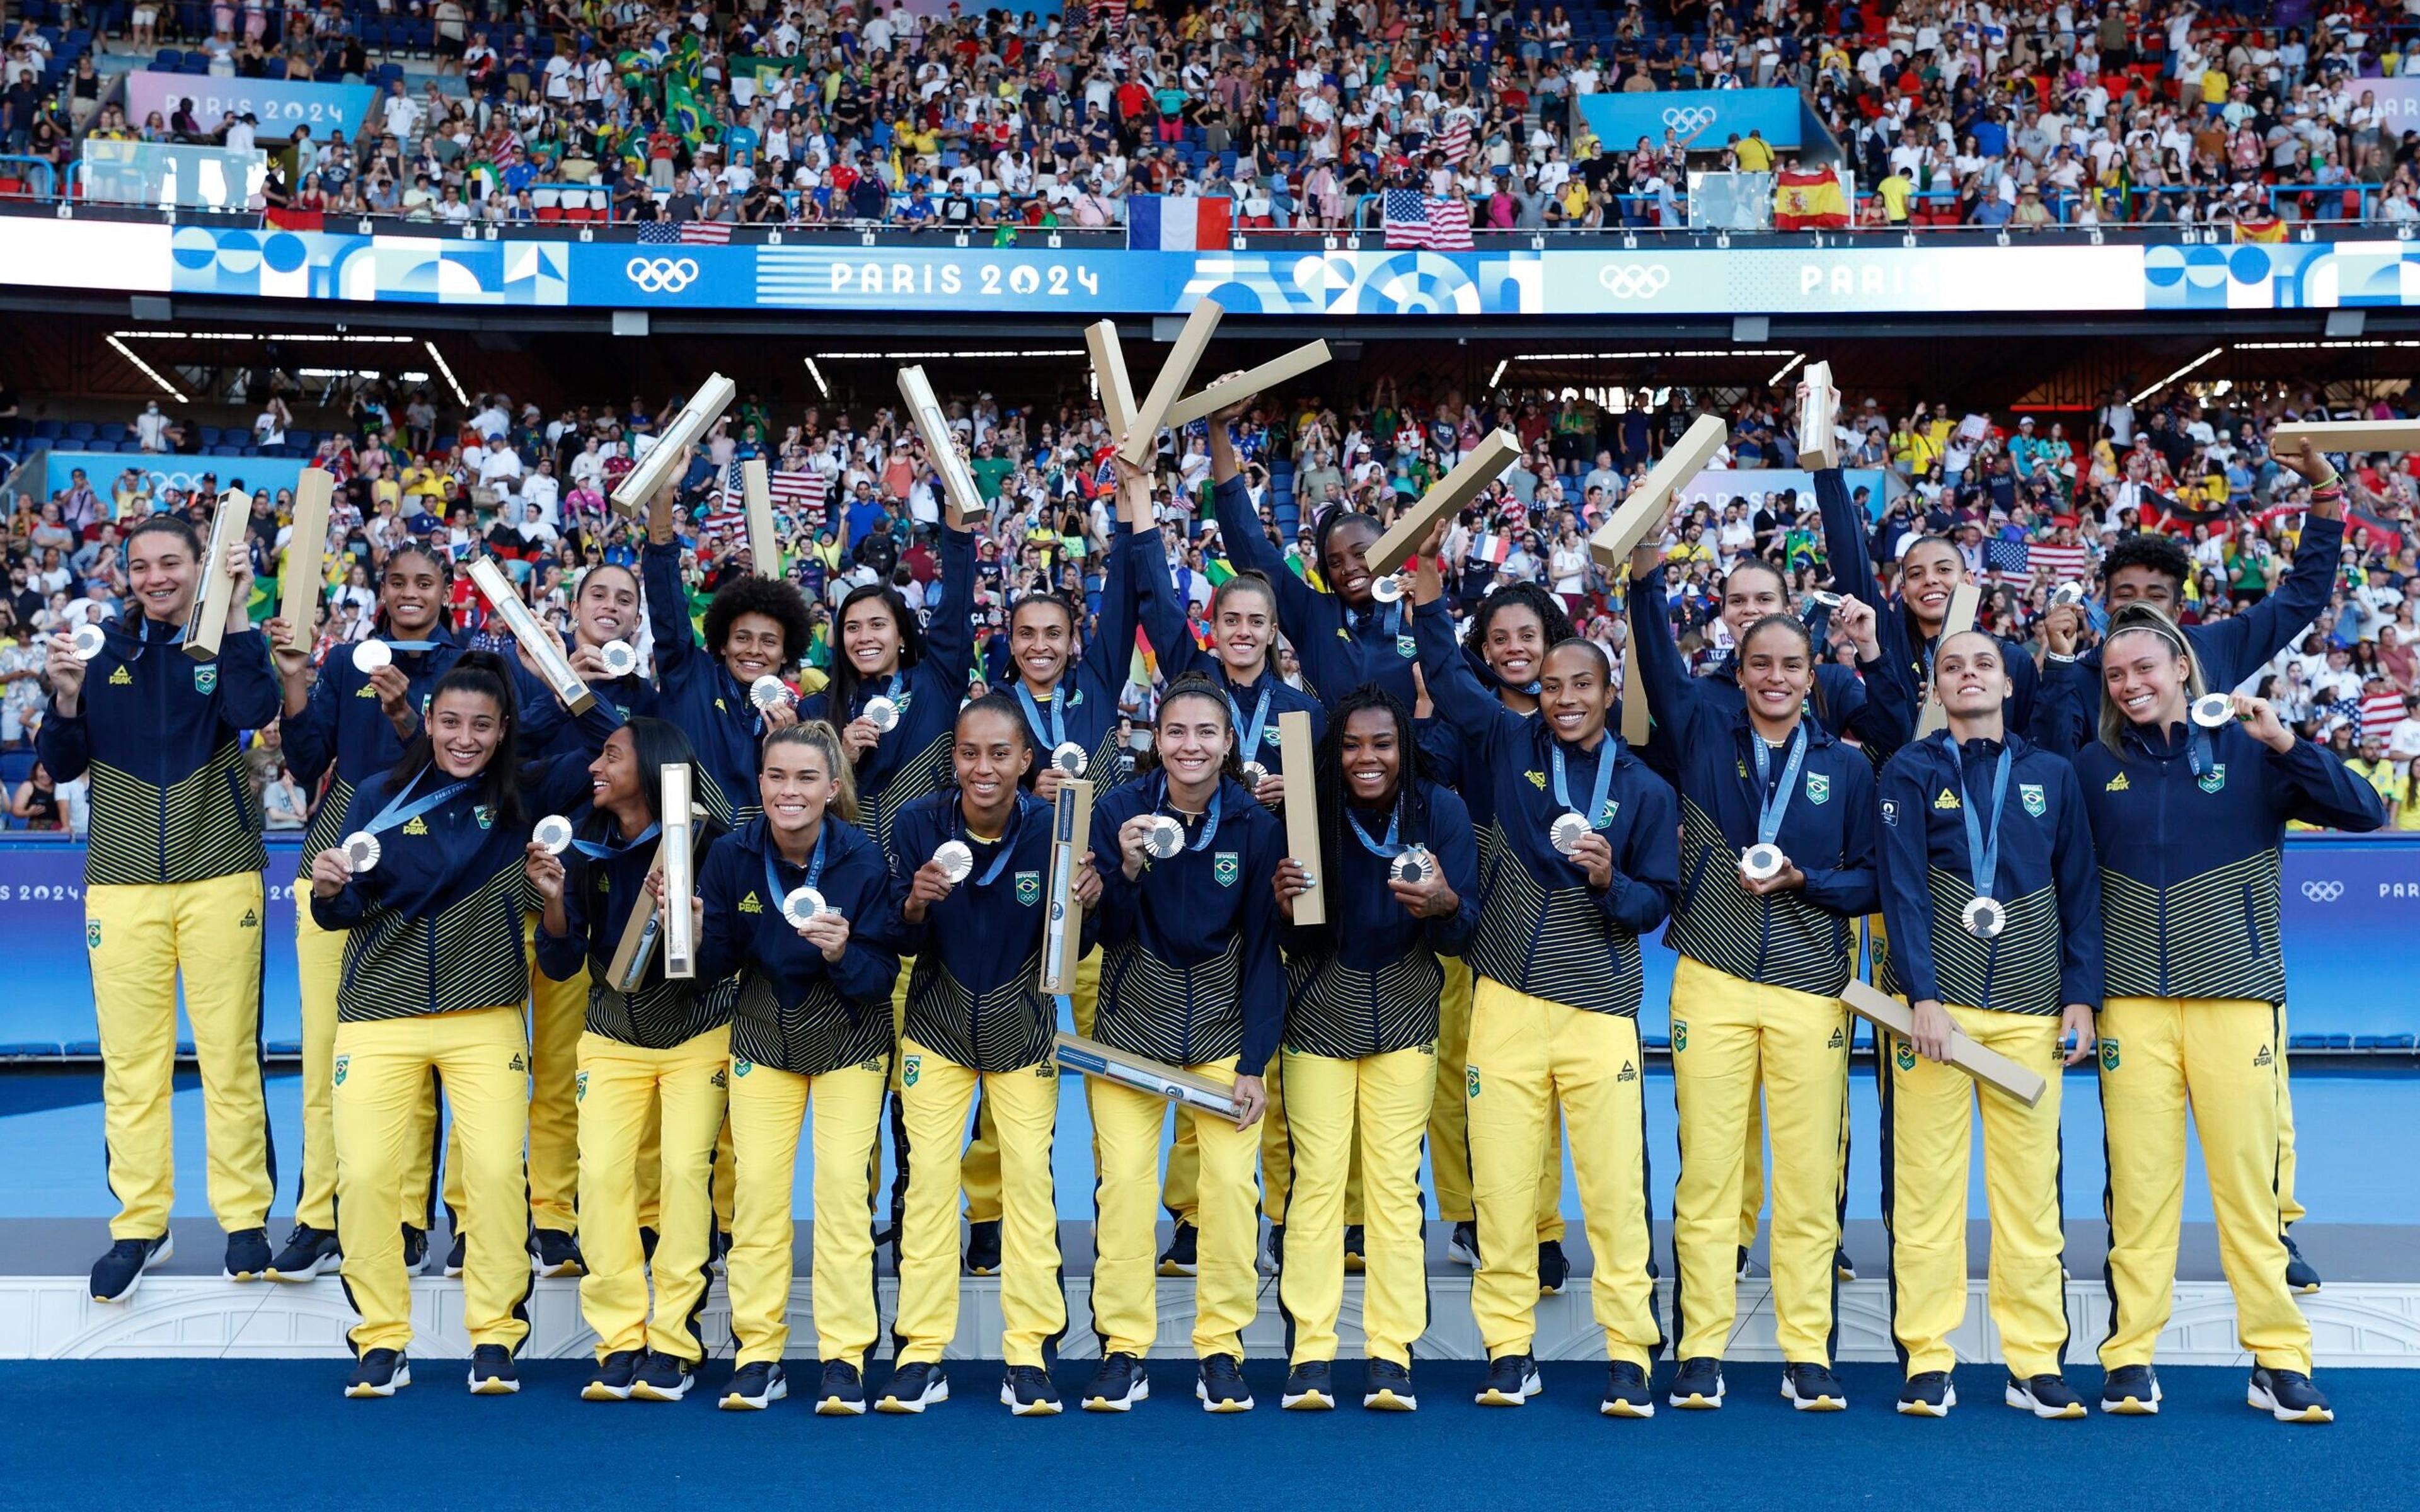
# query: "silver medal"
372, 655
1164, 839
1760, 862
1415, 865
882, 714
802, 905
768, 693
360, 851
957, 860
552, 833
1388, 590
1254, 775
620, 658
87, 641
2212, 711
1568, 831
1825, 598
1070, 759
1983, 917
2067, 594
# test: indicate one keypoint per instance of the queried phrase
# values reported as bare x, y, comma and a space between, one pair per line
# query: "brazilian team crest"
1406, 647
913, 1071
1029, 888
2108, 1055
741, 1068
2030, 793
1819, 787
92, 934
344, 1064
1680, 1036
206, 677
2213, 780
1227, 865
1904, 1057
1470, 1076
580, 1087
486, 814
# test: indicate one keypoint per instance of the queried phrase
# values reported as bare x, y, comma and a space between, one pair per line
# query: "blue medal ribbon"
1385, 850
774, 890
1772, 800
1007, 838
1606, 759
1250, 748
1210, 823
1057, 724
396, 812
1983, 842
598, 849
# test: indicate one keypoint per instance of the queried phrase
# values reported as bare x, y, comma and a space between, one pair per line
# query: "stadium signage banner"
181, 472
1876, 277
279, 105
1702, 120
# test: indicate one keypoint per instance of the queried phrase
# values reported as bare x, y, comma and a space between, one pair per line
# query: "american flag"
688, 233
801, 494
1453, 136
796, 498
2380, 714
1412, 219
2023, 559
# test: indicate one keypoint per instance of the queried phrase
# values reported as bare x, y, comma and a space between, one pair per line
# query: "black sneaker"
1463, 1248
556, 1253
1553, 1269
1117, 1385
2130, 1391
755, 1387
983, 1248
1812, 1388
842, 1391
491, 1371
914, 1386
1843, 1268
1386, 1387
115, 1274
1220, 1387
647, 1238
415, 1250
379, 1373
2044, 1397
611, 1383
1746, 1269
1927, 1394
1180, 1258
1512, 1380
1627, 1393
721, 1260
1027, 1391
248, 1255
1355, 1262
1699, 1388
663, 1378
2300, 1278
454, 1263
1310, 1387
2289, 1397
308, 1251
1273, 1254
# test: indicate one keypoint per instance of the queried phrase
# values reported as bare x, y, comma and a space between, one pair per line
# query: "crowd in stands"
2032, 500
1946, 112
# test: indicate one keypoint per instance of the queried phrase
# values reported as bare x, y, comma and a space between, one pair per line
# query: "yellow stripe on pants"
1929, 1119
1525, 1054
1449, 1119
937, 1094
1125, 1300
319, 959
1728, 1034
2218, 1057
767, 1109
139, 938
1387, 1098
621, 1090
381, 1071
979, 1169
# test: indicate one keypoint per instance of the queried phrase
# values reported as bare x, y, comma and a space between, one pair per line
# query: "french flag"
1177, 222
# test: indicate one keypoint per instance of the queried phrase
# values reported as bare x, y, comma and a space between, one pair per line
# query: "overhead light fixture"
944, 357
446, 368
1642, 356
258, 335
2177, 374
817, 374
1786, 368
147, 369
1499, 375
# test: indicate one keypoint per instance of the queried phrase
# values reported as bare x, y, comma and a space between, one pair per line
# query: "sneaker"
1927, 1394
308, 1251
1117, 1385
1748, 1270
491, 1371
1812, 1388
611, 1383
983, 1248
1699, 1388
1463, 1248
1180, 1258
454, 1254
415, 1250
1354, 1262
1553, 1268
248, 1255
2130, 1391
1843, 1268
1220, 1387
115, 1274
2289, 1397
556, 1253
1310, 1387
1627, 1393
379, 1373
647, 1238
1512, 1380
842, 1391
1027, 1391
1273, 1253
914, 1386
663, 1378
755, 1387
2300, 1276
721, 1262
2044, 1397
1386, 1387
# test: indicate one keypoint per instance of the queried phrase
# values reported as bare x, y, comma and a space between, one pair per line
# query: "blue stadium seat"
48, 430
209, 437
81, 430
15, 767
99, 444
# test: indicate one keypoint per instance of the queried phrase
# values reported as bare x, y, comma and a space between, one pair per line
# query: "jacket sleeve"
1160, 609
2314, 786
1262, 986
949, 632
907, 841
542, 713
2077, 866
1460, 700
1673, 695
2025, 681
677, 649
2065, 707
1110, 651
352, 902
2232, 649
868, 967
1457, 853
721, 945
65, 742
1906, 880
250, 694
1647, 874
308, 739
1114, 917
561, 956
1851, 889
1249, 548
1844, 540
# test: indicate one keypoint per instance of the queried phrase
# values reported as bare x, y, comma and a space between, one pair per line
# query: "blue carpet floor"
188, 1433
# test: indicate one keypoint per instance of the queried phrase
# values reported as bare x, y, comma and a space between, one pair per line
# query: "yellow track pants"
767, 1109
1130, 1125
623, 1090
1450, 1118
1386, 1098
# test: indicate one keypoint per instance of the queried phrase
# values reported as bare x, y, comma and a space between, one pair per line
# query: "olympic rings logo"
2322, 893
1634, 281
663, 275
1689, 120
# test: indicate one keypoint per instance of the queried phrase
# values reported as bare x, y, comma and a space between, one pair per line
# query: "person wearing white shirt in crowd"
150, 428
498, 462
542, 492
491, 420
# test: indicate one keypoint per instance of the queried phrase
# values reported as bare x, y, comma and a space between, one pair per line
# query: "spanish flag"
2259, 225
1808, 200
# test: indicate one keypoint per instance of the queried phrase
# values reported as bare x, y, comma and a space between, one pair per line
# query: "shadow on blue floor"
160, 1432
